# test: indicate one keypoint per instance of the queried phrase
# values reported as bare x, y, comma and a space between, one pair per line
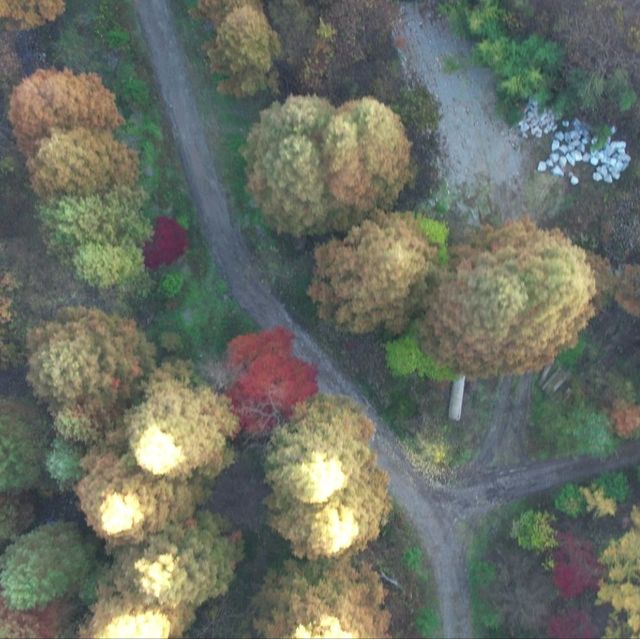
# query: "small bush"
533, 530
171, 284
405, 357
570, 501
427, 622
614, 486
437, 233
63, 463
418, 110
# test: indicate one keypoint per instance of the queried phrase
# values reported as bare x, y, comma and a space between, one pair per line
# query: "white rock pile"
573, 145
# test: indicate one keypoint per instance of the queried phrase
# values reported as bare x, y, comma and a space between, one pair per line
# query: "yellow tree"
28, 14
81, 162
179, 428
124, 504
51, 99
244, 51
87, 366
621, 586
515, 297
321, 599
374, 277
329, 497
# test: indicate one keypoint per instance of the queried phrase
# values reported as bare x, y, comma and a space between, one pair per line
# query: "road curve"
438, 513
237, 266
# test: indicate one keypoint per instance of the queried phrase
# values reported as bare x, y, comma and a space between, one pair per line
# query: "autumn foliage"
571, 624
48, 622
28, 14
374, 276
628, 289
515, 298
626, 420
576, 566
313, 168
51, 99
81, 162
271, 382
329, 497
168, 243
87, 366
321, 599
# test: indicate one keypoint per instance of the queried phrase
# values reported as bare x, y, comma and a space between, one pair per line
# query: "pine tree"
321, 599
374, 277
515, 298
51, 99
329, 497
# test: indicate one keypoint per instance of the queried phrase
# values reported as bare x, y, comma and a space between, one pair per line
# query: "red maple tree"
571, 624
168, 243
576, 566
40, 623
271, 380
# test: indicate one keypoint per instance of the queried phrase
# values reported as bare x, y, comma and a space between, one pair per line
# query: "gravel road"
479, 150
439, 514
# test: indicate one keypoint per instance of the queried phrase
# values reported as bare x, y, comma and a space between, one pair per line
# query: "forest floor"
440, 514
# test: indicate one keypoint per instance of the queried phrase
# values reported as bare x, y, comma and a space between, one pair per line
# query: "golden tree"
87, 366
321, 599
184, 565
621, 585
217, 10
124, 504
81, 162
375, 275
515, 298
179, 428
51, 99
368, 155
329, 497
313, 169
28, 14
244, 51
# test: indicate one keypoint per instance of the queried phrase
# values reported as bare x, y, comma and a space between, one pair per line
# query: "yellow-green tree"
124, 504
217, 10
184, 565
375, 276
179, 428
81, 162
368, 155
87, 366
313, 169
324, 599
51, 99
28, 14
621, 586
244, 50
329, 497
515, 297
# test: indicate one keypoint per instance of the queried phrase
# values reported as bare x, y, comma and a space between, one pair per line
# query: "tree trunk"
455, 401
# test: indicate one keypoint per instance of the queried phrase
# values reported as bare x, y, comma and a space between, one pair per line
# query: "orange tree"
28, 14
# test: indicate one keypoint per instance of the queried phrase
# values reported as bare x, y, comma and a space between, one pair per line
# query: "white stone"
555, 145
574, 180
608, 179
570, 159
563, 161
594, 160
557, 171
542, 166
597, 177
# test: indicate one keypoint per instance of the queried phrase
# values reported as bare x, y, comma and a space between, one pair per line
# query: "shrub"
626, 420
614, 486
598, 503
23, 445
50, 562
171, 284
533, 530
405, 357
169, 242
570, 501
437, 233
576, 567
571, 624
64, 463
16, 515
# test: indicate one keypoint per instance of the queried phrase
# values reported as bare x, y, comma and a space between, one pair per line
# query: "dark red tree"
576, 566
571, 624
168, 243
40, 623
270, 382
244, 349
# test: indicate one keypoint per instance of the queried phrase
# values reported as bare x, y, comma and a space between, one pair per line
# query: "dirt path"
439, 514
480, 152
